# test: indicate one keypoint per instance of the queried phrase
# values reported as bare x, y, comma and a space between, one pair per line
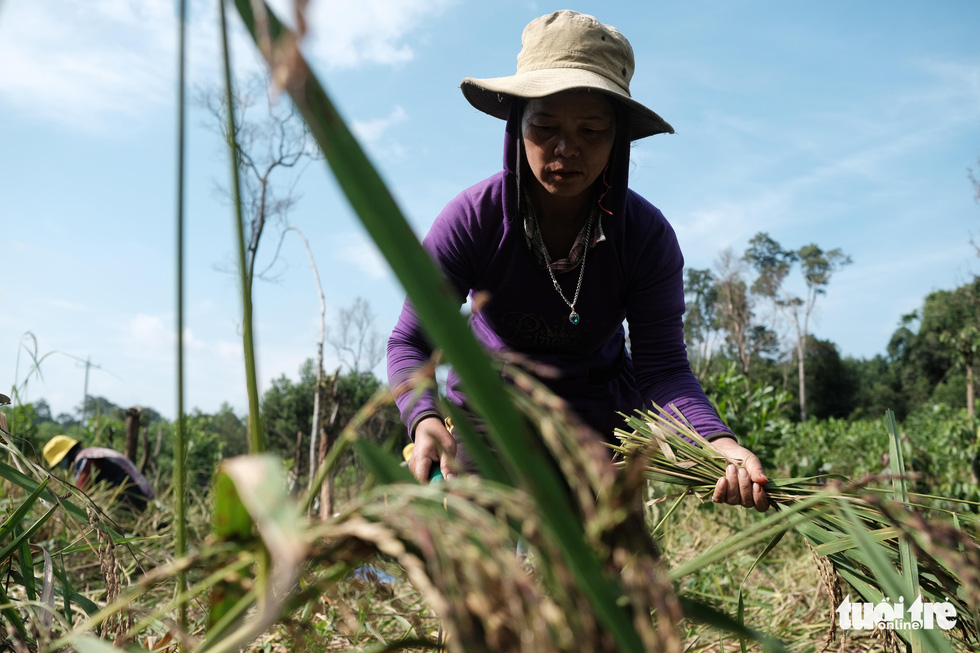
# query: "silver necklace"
573, 317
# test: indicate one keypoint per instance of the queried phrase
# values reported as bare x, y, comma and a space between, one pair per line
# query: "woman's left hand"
742, 483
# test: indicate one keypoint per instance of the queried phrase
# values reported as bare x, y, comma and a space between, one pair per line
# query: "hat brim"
57, 458
493, 96
57, 448
54, 458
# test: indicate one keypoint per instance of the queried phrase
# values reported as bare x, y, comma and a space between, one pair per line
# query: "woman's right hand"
433, 444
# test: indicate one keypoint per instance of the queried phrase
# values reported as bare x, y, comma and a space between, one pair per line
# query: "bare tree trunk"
145, 458
156, 449
315, 430
318, 388
295, 484
328, 436
703, 362
970, 397
326, 489
800, 355
132, 432
159, 444
802, 324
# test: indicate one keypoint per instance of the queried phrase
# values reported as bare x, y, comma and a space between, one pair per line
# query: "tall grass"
256, 439
180, 446
591, 576
869, 530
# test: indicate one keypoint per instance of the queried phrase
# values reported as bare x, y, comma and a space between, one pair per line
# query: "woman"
97, 464
566, 252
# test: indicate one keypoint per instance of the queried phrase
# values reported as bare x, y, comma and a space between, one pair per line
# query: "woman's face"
568, 138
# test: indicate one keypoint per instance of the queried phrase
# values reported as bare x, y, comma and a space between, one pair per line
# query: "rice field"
543, 552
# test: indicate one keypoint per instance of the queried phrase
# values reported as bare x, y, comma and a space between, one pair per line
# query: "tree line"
738, 312
287, 416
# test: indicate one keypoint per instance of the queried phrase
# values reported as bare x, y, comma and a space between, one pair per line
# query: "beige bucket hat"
563, 51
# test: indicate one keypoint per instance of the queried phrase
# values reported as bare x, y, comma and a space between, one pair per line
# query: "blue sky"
846, 124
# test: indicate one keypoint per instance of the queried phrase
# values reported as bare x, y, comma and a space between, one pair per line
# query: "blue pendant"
573, 317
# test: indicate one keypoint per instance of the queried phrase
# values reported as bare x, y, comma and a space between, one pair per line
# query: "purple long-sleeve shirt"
635, 274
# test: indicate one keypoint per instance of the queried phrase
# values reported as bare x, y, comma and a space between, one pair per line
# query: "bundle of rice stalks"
456, 542
875, 536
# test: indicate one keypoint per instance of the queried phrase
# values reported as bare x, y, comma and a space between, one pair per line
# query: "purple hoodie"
635, 274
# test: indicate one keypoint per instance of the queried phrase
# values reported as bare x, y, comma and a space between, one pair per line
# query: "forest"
296, 525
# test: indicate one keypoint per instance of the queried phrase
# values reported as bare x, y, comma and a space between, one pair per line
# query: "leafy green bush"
945, 446
850, 448
755, 412
23, 422
940, 443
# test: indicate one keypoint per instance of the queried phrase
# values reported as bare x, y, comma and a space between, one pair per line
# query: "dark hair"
72, 453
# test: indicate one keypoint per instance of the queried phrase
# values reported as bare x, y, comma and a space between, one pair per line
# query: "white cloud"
148, 330
78, 61
85, 64
954, 90
356, 249
371, 131
707, 230
351, 34
229, 350
868, 144
153, 336
141, 362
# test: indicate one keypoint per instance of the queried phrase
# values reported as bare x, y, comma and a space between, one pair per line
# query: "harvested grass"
456, 543
858, 528
784, 596
450, 550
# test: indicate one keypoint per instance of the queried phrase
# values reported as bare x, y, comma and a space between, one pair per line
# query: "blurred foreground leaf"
252, 491
438, 307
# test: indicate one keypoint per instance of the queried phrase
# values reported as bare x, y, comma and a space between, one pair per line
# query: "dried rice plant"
456, 543
875, 537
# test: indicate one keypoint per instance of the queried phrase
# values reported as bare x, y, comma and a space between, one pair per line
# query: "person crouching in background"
92, 465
